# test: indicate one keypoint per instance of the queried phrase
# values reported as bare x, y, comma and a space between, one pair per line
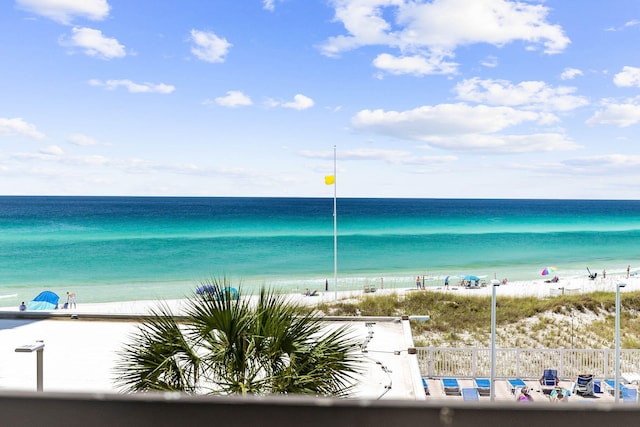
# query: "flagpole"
335, 227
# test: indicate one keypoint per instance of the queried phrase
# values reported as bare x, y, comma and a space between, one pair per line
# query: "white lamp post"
494, 284
616, 388
38, 347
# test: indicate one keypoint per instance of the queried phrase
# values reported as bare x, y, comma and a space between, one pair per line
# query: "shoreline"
522, 288
97, 293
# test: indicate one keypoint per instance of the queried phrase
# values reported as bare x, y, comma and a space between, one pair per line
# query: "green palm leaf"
228, 346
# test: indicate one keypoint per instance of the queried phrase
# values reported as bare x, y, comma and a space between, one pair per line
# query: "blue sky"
442, 98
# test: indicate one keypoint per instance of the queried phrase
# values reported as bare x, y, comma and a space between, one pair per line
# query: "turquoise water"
119, 248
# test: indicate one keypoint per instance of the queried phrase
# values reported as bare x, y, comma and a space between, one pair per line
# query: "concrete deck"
80, 354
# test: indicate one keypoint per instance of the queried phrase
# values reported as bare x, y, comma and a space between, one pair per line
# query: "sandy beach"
540, 288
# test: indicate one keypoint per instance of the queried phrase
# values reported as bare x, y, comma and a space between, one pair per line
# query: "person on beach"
22, 307
446, 282
628, 270
604, 273
524, 395
418, 283
559, 395
71, 299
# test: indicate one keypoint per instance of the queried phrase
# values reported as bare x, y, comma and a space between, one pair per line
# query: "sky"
426, 99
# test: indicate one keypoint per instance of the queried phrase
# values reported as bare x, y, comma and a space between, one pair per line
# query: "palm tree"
224, 346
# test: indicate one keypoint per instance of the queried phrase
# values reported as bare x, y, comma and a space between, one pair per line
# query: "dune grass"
578, 321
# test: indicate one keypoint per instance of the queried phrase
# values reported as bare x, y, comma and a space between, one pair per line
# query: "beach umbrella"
206, 289
548, 270
46, 300
471, 277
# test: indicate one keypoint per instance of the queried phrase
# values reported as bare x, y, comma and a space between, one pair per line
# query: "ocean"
125, 248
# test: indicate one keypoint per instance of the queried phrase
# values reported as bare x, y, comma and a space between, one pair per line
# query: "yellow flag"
330, 179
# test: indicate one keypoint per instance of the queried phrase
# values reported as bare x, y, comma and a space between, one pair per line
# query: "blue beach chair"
470, 394
584, 385
451, 386
629, 395
483, 385
611, 385
425, 385
549, 380
516, 384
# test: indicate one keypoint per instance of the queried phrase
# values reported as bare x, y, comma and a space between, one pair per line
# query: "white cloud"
93, 43
208, 46
463, 127
570, 73
389, 156
434, 30
615, 114
490, 62
626, 25
268, 5
234, 98
300, 102
504, 144
529, 94
81, 139
629, 76
19, 127
442, 119
416, 64
133, 87
52, 150
63, 11
94, 160
607, 161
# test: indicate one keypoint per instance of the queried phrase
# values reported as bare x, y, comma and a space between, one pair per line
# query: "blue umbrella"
471, 277
206, 289
46, 300
218, 293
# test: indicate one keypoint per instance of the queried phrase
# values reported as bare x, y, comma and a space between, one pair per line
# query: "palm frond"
229, 346
158, 357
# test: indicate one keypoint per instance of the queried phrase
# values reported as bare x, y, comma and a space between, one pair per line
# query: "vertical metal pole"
335, 226
616, 388
494, 285
39, 373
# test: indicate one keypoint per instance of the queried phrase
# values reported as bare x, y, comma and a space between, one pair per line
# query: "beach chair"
610, 386
470, 394
597, 386
483, 385
515, 385
549, 380
629, 395
584, 385
451, 386
425, 385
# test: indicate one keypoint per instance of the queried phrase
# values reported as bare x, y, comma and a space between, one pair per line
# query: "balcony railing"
524, 363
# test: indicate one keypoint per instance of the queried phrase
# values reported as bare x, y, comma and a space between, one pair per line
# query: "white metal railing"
525, 363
